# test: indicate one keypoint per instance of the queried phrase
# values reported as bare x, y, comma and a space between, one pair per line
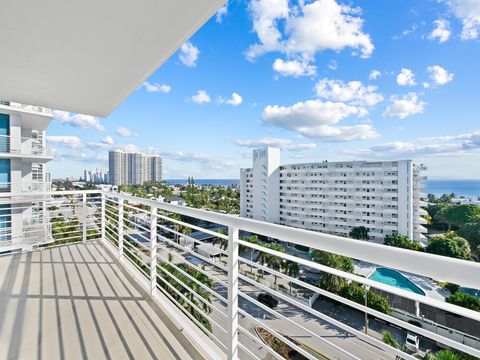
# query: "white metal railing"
215, 281
33, 108
24, 146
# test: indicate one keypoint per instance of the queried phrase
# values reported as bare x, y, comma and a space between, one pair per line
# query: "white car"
412, 342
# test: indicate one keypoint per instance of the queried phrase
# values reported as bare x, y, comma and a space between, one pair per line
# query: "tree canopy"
359, 233
402, 241
328, 281
451, 245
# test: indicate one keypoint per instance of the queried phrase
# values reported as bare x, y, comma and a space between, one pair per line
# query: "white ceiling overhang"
87, 56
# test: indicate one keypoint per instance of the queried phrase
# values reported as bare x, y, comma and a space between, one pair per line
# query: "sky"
323, 80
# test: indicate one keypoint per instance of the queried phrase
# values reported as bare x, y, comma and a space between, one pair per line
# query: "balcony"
116, 276
25, 188
28, 108
25, 148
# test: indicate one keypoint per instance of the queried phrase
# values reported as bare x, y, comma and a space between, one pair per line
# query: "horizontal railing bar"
375, 284
370, 311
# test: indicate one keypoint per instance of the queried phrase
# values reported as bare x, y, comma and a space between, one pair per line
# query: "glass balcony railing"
33, 108
255, 285
24, 146
25, 187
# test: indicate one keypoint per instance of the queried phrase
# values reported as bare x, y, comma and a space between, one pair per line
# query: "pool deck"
431, 288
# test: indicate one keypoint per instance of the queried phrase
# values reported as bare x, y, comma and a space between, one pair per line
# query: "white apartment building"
335, 197
23, 155
129, 168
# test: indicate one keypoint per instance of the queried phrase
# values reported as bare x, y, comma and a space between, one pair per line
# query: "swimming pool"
394, 278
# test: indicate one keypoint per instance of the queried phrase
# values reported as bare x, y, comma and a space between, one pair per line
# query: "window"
4, 175
4, 133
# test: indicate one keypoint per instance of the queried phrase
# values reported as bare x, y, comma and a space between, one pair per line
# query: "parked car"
268, 300
412, 342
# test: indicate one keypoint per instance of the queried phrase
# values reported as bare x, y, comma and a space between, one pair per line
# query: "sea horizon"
461, 187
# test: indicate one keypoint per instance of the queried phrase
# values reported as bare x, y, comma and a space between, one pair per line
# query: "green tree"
329, 281
464, 300
402, 241
451, 245
359, 233
459, 215
356, 292
275, 262
471, 232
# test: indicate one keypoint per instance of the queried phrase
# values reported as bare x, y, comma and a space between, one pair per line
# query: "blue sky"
324, 79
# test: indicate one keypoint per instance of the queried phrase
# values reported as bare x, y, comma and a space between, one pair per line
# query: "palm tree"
359, 233
328, 281
275, 262
292, 269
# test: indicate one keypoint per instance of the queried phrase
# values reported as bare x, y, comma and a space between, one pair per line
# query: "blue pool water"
394, 278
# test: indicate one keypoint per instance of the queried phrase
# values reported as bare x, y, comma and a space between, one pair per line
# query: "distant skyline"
361, 85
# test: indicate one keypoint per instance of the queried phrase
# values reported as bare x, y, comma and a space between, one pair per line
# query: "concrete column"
232, 267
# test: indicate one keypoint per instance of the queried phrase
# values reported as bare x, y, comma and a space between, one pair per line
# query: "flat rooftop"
75, 301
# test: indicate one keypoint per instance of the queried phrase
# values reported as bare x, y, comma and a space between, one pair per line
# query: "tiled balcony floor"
75, 302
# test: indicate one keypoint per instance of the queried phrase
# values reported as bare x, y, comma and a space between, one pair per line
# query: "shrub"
464, 300
451, 245
453, 288
390, 340
356, 292
402, 241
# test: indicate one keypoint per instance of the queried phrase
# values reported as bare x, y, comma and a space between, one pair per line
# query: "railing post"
232, 267
120, 228
102, 218
153, 251
84, 224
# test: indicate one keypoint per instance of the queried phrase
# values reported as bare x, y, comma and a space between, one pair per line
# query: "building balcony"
25, 148
28, 108
108, 275
25, 188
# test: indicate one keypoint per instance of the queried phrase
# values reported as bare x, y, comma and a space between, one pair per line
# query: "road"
326, 331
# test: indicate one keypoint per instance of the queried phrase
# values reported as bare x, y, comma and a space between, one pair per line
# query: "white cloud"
441, 145
374, 75
72, 142
201, 97
439, 75
221, 13
304, 30
406, 32
78, 120
189, 54
124, 132
402, 107
265, 14
441, 32
286, 144
332, 65
406, 78
206, 161
294, 68
156, 88
316, 119
235, 100
468, 11
83, 156
352, 92
105, 144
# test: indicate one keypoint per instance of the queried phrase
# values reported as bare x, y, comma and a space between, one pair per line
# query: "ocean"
436, 187
459, 187
215, 182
